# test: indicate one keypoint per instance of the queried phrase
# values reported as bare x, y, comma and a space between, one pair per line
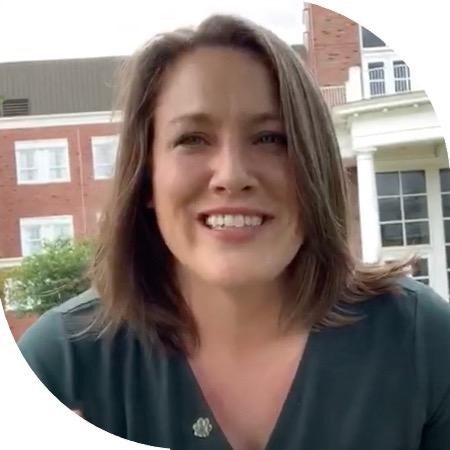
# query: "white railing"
334, 95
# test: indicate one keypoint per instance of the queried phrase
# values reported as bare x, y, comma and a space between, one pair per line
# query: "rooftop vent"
15, 107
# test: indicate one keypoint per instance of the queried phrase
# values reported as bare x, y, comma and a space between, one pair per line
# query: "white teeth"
256, 221
228, 220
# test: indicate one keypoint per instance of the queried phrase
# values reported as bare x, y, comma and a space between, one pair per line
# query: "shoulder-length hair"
133, 270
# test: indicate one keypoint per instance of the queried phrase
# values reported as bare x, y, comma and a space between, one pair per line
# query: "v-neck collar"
217, 440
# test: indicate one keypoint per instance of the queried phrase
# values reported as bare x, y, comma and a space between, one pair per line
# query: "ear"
150, 204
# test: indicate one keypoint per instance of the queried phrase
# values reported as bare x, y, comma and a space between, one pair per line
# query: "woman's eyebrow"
197, 118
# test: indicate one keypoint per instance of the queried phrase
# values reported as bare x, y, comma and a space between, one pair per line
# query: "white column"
368, 206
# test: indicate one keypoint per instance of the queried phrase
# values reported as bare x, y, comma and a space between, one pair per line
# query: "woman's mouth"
232, 221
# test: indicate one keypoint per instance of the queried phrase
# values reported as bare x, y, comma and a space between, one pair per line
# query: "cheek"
175, 189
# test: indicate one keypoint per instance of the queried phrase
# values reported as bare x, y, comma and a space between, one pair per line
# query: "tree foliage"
51, 277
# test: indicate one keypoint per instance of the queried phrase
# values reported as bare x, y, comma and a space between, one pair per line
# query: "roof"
59, 86
62, 86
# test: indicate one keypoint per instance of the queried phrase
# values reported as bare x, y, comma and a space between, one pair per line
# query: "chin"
239, 277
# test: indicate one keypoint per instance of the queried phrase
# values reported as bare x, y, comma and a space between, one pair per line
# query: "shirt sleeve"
48, 352
433, 339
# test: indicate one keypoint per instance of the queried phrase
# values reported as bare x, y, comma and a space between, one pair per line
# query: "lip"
236, 235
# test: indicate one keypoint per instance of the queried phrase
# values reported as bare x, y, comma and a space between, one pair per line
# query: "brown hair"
133, 268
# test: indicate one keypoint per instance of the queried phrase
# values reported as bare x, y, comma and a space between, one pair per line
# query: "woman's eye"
272, 138
190, 140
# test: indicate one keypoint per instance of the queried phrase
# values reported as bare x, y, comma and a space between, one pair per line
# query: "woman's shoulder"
413, 304
61, 322
65, 342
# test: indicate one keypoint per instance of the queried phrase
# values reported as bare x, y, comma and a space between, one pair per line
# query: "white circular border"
32, 418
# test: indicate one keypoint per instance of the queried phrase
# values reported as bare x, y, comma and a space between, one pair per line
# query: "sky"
49, 29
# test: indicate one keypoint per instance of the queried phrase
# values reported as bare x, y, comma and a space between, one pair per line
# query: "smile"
225, 221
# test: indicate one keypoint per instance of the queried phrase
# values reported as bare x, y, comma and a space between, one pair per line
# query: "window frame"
42, 149
41, 222
95, 164
385, 56
403, 221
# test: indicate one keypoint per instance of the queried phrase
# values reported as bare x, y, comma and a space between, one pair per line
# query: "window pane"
401, 77
376, 78
57, 157
445, 180
62, 231
34, 247
33, 232
401, 70
391, 234
28, 174
27, 159
415, 207
388, 183
447, 231
390, 209
413, 182
446, 205
421, 268
105, 171
104, 153
447, 252
58, 174
417, 233
402, 85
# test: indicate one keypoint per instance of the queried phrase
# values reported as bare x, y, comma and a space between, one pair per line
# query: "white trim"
57, 120
10, 262
42, 163
381, 102
42, 221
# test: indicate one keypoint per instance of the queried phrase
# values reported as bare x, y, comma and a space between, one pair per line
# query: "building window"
445, 199
42, 161
401, 77
104, 150
377, 80
403, 208
420, 271
37, 230
386, 75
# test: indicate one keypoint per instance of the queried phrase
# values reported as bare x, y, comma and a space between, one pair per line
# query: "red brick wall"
18, 324
333, 45
82, 197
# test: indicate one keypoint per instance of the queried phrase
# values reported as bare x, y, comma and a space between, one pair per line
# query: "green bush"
51, 277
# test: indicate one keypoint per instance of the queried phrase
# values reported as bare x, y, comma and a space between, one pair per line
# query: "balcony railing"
334, 95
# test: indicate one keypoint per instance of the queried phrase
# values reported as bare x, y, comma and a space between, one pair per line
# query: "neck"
235, 320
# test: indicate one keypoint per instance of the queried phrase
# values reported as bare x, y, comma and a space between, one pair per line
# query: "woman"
228, 312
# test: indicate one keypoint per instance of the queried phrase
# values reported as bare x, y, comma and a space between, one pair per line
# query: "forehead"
218, 81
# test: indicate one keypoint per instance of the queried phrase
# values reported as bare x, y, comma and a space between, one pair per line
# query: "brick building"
57, 147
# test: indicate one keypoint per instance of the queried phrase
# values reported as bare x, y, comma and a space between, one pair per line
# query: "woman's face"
224, 192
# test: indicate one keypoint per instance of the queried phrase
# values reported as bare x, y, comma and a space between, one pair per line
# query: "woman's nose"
232, 171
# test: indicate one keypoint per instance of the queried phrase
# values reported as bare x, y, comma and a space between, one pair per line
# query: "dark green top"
380, 384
